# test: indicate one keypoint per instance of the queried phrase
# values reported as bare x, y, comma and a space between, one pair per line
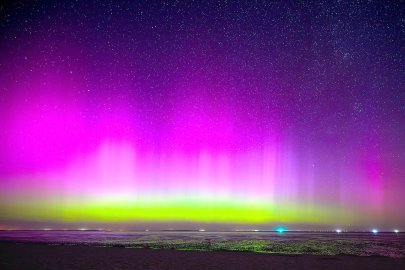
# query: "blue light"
280, 230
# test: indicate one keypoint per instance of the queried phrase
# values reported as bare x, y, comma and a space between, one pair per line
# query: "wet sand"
42, 256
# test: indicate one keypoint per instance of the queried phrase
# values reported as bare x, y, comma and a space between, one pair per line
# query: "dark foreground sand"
37, 256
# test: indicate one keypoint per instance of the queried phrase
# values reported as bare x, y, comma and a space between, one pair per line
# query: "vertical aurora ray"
146, 122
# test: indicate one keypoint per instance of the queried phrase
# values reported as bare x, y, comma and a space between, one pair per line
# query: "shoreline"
18, 255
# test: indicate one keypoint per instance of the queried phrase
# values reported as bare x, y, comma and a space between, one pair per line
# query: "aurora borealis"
251, 113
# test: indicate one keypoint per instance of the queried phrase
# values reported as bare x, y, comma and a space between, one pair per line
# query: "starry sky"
230, 114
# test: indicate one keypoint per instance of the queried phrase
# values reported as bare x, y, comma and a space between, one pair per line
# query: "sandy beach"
42, 256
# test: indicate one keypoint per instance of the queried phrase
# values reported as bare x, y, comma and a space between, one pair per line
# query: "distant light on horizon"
280, 230
374, 231
396, 231
338, 230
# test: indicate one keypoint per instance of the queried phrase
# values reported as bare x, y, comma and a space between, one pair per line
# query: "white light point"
374, 231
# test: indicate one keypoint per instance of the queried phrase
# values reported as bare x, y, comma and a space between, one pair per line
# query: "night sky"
250, 114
